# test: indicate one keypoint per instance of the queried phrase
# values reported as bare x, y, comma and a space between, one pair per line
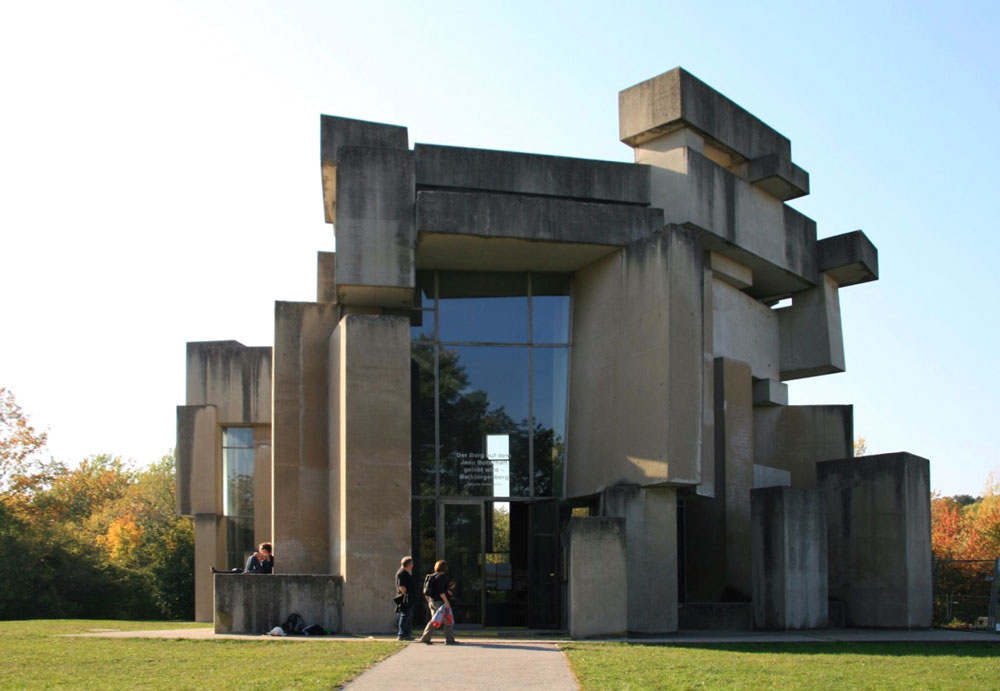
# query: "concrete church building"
567, 378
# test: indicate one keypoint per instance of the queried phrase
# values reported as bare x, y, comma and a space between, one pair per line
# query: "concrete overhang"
473, 253
848, 259
779, 177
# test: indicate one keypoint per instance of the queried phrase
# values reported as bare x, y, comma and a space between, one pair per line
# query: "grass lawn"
793, 666
35, 655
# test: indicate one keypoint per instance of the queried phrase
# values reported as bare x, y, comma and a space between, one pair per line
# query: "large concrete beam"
848, 259
879, 532
745, 329
199, 489
537, 219
369, 451
597, 592
531, 174
299, 434
789, 558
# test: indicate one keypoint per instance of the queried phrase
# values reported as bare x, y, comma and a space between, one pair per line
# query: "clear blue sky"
159, 177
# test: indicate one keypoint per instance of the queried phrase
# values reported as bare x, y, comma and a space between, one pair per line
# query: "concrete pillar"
369, 462
299, 435
263, 529
734, 448
597, 593
879, 532
789, 558
650, 515
209, 551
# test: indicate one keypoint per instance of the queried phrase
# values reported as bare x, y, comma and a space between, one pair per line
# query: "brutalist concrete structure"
525, 364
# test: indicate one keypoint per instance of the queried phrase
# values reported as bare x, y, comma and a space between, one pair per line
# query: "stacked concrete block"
789, 558
879, 526
597, 599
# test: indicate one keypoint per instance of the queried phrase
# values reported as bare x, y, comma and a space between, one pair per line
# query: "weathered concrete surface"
812, 342
638, 419
209, 550
768, 392
745, 329
198, 469
789, 558
532, 174
650, 537
300, 443
375, 227
848, 259
326, 277
778, 176
369, 470
336, 132
734, 443
796, 437
597, 597
252, 603
879, 533
235, 378
539, 219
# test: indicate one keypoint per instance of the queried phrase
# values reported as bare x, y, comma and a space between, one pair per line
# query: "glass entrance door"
460, 524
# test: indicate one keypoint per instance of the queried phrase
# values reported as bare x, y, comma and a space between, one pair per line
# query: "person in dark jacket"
261, 561
406, 590
438, 598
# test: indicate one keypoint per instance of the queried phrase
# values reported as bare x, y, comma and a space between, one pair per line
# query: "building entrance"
503, 559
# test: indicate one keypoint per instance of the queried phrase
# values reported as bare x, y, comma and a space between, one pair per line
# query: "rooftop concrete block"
848, 259
235, 378
337, 132
374, 227
677, 99
532, 174
741, 221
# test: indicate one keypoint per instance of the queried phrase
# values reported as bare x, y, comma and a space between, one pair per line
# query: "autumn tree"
19, 441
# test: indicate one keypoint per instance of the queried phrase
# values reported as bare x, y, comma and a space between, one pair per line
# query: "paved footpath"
473, 664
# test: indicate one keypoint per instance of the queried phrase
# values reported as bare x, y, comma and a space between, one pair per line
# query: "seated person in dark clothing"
261, 561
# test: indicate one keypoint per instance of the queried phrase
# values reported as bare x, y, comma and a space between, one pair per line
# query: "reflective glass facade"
237, 492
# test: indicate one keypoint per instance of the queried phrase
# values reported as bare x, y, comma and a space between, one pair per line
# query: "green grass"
35, 655
785, 666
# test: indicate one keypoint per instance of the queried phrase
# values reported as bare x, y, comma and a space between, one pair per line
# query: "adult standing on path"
436, 592
404, 589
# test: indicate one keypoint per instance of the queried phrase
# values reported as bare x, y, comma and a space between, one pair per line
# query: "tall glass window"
237, 492
490, 361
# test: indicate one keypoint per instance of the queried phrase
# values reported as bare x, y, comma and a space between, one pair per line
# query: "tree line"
98, 539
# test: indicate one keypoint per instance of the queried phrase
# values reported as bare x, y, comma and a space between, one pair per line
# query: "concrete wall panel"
812, 342
370, 457
299, 444
745, 329
797, 437
597, 595
199, 488
789, 558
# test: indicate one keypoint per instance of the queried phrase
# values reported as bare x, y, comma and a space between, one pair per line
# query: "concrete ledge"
779, 177
254, 604
518, 173
848, 259
534, 218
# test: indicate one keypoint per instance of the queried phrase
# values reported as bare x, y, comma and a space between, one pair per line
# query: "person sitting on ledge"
261, 561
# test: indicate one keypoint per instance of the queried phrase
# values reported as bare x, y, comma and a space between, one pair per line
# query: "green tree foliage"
99, 540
